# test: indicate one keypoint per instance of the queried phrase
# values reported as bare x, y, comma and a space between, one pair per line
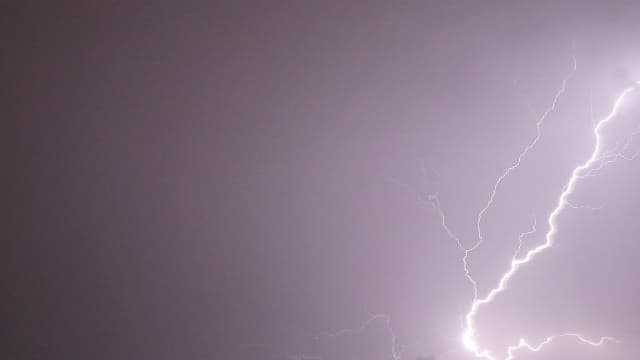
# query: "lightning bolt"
597, 160
469, 333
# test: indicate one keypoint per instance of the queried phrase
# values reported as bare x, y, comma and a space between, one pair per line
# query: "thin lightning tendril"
395, 351
525, 234
305, 357
523, 344
524, 152
588, 207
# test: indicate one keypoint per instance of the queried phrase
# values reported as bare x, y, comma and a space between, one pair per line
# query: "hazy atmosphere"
297, 180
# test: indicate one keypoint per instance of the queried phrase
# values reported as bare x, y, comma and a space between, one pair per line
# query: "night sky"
245, 180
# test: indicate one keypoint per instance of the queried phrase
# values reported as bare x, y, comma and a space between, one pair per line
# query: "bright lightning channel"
469, 334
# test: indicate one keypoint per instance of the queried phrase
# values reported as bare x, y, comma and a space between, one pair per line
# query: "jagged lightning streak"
395, 351
469, 334
434, 200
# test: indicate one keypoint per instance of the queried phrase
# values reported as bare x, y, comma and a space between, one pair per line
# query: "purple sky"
199, 180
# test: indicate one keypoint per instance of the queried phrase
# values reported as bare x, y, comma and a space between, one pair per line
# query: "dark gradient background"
206, 180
